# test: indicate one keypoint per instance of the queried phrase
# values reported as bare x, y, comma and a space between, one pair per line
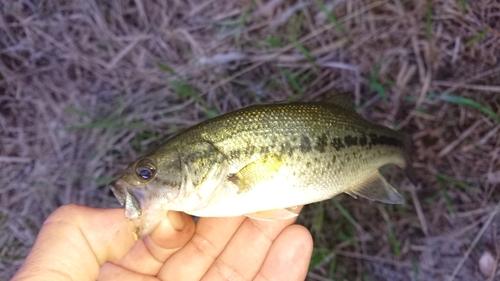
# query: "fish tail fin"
408, 150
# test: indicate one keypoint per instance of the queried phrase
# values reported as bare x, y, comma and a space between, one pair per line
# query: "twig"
420, 213
460, 138
473, 78
123, 52
317, 277
497, 252
382, 260
291, 46
423, 91
419, 60
474, 242
480, 88
15, 159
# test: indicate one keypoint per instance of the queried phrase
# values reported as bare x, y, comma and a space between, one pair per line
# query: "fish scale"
261, 160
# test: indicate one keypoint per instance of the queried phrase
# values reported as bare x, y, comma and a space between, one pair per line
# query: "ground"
88, 86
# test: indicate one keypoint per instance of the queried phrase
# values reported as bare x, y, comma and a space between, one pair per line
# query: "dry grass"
87, 86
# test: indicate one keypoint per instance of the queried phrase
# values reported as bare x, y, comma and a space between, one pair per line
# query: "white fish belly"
279, 192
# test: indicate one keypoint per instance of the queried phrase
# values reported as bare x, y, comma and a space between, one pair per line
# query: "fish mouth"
121, 192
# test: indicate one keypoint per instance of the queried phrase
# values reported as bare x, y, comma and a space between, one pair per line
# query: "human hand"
82, 243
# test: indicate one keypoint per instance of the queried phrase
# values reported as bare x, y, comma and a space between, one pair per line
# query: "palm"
215, 249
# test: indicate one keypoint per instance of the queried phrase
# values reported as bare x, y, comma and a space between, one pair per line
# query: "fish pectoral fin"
273, 215
377, 188
260, 170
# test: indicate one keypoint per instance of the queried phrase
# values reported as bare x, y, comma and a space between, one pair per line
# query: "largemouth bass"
261, 161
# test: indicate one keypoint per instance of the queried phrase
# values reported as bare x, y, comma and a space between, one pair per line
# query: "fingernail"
177, 220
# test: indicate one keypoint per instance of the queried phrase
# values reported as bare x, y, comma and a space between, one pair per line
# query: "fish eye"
145, 173
145, 169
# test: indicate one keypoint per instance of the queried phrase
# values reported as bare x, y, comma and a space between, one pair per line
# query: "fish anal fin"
261, 170
344, 100
351, 194
273, 215
377, 188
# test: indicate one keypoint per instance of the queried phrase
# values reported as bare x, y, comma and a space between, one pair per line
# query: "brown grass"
87, 86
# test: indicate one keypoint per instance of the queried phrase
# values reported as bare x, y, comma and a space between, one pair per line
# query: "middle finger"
193, 260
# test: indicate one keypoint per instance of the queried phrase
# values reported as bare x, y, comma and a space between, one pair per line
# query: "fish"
262, 161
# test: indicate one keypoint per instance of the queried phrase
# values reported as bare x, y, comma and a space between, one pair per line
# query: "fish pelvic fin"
377, 188
273, 215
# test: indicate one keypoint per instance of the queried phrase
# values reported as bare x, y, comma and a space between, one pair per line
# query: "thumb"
74, 241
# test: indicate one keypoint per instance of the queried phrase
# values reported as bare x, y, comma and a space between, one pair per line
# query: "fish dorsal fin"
377, 188
344, 100
273, 215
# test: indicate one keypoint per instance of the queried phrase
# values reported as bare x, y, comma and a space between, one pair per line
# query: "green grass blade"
375, 85
165, 68
332, 267
392, 237
434, 198
428, 20
463, 5
477, 37
346, 214
453, 181
137, 141
106, 124
319, 256
73, 109
241, 24
211, 113
462, 101
273, 41
331, 18
416, 269
446, 196
319, 218
346, 238
294, 25
293, 82
103, 180
182, 88
304, 51
472, 103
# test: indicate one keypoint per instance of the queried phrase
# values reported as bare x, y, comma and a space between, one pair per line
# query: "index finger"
150, 253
